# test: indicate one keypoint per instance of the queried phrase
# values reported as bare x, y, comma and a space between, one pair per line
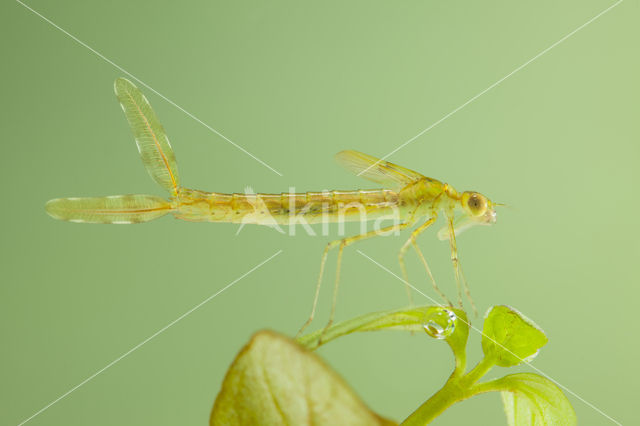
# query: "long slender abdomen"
285, 208
335, 206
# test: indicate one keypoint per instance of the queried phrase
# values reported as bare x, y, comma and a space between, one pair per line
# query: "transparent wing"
379, 171
117, 209
153, 144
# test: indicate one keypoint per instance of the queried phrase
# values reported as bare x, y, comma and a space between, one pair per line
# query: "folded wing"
387, 174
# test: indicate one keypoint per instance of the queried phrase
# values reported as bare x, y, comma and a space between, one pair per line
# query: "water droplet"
439, 322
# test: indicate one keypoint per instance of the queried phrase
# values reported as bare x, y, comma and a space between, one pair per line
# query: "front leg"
412, 241
460, 279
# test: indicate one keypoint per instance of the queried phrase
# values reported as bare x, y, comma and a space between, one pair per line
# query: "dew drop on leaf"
439, 323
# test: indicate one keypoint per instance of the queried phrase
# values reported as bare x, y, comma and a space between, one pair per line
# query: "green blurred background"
293, 83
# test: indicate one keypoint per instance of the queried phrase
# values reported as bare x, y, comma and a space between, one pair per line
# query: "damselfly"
408, 195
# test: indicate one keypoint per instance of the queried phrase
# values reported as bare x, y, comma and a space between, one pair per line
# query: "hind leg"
341, 244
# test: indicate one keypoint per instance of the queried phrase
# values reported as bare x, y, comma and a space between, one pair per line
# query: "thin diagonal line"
497, 343
136, 347
100, 55
492, 86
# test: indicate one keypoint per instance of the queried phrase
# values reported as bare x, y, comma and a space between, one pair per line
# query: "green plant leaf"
509, 337
407, 319
275, 381
533, 400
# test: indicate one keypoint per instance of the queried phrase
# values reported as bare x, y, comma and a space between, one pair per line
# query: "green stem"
434, 406
478, 372
461, 362
456, 389
496, 385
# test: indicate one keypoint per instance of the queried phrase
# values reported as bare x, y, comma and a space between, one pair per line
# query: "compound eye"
477, 204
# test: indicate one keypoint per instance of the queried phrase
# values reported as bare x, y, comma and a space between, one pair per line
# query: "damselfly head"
478, 207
